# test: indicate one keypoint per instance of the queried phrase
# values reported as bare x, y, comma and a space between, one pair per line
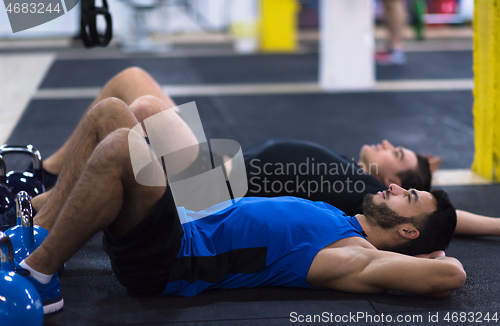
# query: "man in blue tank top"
254, 242
282, 241
263, 241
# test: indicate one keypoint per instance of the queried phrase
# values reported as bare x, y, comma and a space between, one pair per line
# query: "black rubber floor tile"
480, 199
480, 257
257, 68
248, 69
430, 65
95, 73
48, 123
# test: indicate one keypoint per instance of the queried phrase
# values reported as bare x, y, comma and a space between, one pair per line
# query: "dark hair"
419, 178
437, 230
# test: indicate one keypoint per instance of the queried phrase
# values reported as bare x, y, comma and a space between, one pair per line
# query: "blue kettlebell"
6, 196
25, 236
31, 182
20, 303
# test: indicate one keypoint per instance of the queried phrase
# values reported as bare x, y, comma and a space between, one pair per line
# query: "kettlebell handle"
24, 210
3, 171
5, 241
30, 150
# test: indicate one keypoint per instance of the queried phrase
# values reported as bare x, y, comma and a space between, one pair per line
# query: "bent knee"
114, 147
118, 136
134, 72
109, 107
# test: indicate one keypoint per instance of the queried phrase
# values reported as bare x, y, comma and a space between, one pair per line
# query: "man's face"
385, 161
395, 205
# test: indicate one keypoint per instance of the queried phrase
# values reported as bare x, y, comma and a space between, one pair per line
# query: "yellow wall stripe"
279, 25
486, 109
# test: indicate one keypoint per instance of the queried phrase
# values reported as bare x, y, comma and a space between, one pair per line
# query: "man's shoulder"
338, 260
354, 242
344, 248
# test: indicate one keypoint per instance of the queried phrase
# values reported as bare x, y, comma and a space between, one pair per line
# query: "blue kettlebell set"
20, 303
17, 243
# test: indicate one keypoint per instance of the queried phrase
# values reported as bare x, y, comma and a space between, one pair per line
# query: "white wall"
166, 18
346, 45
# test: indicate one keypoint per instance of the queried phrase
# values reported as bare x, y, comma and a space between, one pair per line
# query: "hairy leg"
148, 105
128, 86
395, 20
107, 116
105, 195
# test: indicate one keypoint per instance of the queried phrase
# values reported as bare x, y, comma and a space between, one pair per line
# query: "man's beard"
382, 215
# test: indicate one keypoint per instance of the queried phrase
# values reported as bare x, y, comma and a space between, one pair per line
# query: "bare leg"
127, 86
469, 224
395, 20
106, 117
106, 195
148, 105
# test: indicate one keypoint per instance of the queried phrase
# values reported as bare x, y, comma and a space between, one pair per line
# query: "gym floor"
424, 105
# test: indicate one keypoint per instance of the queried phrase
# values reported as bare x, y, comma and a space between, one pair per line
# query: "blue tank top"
255, 242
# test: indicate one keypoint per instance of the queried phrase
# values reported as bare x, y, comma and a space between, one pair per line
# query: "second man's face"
386, 161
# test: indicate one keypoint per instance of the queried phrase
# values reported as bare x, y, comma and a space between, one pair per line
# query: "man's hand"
434, 162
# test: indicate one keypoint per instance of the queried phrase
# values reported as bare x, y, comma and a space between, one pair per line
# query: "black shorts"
142, 258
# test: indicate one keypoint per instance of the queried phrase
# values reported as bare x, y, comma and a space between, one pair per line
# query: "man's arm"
363, 270
469, 224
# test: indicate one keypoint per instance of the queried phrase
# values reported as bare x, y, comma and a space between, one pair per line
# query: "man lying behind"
279, 167
283, 241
